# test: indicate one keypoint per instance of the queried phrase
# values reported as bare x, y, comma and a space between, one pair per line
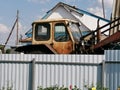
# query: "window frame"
67, 38
41, 37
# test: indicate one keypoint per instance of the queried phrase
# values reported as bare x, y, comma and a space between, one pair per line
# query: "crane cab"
59, 35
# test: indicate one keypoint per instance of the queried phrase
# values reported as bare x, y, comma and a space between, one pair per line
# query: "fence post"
33, 74
103, 74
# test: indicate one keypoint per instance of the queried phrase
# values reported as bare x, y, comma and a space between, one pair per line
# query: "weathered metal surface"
60, 46
50, 47
113, 38
63, 47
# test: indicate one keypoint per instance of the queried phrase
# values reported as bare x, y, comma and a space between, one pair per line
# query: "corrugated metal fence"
24, 72
112, 69
27, 72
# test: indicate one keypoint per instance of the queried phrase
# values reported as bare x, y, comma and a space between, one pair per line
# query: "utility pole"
103, 6
16, 22
9, 35
17, 38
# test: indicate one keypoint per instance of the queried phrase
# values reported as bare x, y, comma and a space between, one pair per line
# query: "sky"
31, 10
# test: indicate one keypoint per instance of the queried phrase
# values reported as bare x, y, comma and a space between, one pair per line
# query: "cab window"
75, 31
42, 31
61, 33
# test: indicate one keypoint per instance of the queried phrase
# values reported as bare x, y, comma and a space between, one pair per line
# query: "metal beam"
113, 38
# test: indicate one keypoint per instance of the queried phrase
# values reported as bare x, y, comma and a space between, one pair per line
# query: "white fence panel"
50, 70
112, 68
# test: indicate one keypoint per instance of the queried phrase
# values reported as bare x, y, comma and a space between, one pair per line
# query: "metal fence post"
103, 74
33, 74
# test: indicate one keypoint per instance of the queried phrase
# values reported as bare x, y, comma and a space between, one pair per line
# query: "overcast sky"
30, 10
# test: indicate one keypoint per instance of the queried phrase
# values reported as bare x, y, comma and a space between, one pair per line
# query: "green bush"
7, 88
98, 87
56, 88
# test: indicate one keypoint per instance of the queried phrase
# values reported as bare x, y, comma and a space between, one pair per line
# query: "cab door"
62, 42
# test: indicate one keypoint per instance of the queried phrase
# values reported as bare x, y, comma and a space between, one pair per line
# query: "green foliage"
8, 51
1, 47
89, 87
98, 87
52, 88
75, 88
8, 87
56, 88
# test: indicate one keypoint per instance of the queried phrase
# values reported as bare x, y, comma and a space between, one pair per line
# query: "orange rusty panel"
113, 38
63, 47
49, 46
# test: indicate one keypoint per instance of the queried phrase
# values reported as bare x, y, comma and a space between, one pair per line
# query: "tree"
2, 48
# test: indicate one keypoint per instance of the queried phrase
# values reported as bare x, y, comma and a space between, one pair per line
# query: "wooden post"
98, 32
17, 40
